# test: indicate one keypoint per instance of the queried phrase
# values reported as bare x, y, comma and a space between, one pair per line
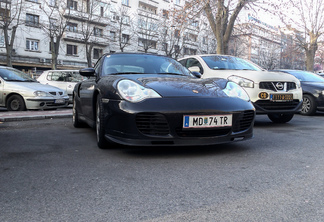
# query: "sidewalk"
6, 116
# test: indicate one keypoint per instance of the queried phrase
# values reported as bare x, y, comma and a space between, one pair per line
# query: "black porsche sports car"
313, 90
151, 100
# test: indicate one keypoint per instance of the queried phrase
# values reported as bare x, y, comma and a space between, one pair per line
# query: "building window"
32, 20
53, 25
177, 2
125, 38
205, 41
50, 46
72, 4
112, 36
2, 41
102, 11
52, 3
164, 46
125, 20
72, 27
195, 24
147, 8
177, 33
165, 14
71, 49
125, 2
4, 14
97, 53
97, 32
32, 45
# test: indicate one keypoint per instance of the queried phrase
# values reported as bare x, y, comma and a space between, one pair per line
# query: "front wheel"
100, 128
309, 106
16, 103
280, 117
77, 123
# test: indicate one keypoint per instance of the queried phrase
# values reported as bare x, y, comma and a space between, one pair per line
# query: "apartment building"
85, 29
94, 27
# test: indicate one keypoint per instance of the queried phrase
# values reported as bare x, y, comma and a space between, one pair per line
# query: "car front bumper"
159, 122
46, 103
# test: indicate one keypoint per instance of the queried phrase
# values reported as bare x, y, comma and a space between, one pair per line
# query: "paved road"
50, 171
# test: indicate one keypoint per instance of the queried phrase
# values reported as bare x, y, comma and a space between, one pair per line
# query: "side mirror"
87, 72
196, 74
194, 69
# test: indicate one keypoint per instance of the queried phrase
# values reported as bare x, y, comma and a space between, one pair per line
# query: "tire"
77, 123
280, 117
100, 128
309, 106
16, 103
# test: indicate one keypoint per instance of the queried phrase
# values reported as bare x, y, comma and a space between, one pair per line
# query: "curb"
36, 115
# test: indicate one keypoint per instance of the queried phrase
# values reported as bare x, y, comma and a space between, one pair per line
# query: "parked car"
63, 79
276, 94
19, 92
151, 100
313, 90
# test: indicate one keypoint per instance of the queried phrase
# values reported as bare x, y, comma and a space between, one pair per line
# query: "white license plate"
59, 101
200, 121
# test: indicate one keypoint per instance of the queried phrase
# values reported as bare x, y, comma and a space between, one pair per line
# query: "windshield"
218, 62
9, 74
304, 76
142, 64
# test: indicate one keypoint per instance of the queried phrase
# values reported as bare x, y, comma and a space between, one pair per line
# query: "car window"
218, 62
65, 76
194, 62
306, 76
141, 64
15, 75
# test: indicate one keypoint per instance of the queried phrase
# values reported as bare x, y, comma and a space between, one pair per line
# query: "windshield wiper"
172, 73
117, 73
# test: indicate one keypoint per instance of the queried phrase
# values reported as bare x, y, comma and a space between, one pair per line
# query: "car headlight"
134, 92
42, 94
246, 83
234, 90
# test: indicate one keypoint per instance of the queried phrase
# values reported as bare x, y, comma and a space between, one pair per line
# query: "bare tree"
10, 13
147, 30
94, 21
221, 16
172, 33
121, 27
307, 17
57, 16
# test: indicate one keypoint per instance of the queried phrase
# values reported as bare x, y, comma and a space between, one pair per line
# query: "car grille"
203, 132
270, 105
243, 121
154, 124
55, 93
273, 86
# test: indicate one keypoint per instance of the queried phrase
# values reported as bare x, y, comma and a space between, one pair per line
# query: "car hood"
256, 76
180, 87
30, 86
314, 85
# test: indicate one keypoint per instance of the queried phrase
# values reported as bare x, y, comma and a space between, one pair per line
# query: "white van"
63, 79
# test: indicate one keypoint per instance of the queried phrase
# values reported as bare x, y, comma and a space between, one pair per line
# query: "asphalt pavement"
7, 116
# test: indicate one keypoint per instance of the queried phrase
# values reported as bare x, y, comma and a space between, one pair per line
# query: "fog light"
42, 104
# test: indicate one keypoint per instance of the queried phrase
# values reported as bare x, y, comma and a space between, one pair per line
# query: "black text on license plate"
59, 101
207, 121
281, 97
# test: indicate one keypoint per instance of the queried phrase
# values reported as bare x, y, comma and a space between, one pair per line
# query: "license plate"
202, 121
281, 97
59, 101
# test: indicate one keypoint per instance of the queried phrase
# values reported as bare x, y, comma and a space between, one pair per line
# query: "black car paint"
121, 128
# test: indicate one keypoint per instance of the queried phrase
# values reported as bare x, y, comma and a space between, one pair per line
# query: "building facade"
85, 29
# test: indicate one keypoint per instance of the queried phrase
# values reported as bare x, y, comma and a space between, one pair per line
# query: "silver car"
19, 92
63, 79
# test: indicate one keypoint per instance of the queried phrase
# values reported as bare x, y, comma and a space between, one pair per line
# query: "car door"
86, 92
1, 92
